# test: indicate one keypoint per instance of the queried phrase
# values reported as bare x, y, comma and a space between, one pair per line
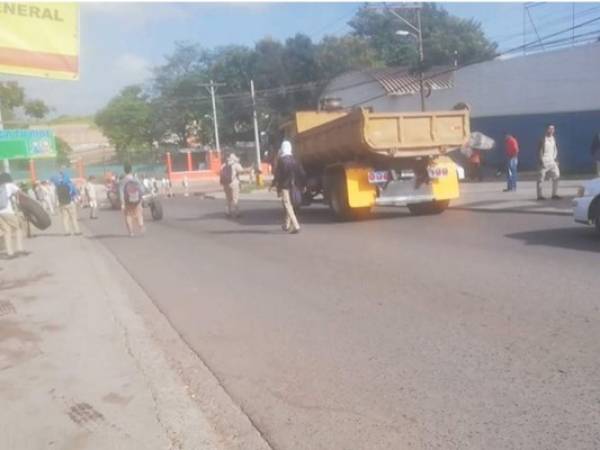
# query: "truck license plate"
378, 176
437, 172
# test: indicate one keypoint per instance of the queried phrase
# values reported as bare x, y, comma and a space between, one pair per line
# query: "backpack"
63, 193
3, 196
226, 175
132, 193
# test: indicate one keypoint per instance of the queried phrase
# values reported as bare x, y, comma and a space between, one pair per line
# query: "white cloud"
132, 68
137, 15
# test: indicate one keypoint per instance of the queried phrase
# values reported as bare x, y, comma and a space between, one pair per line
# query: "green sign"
27, 144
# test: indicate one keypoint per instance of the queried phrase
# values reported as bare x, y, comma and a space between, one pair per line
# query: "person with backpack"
130, 194
230, 180
9, 220
67, 194
287, 179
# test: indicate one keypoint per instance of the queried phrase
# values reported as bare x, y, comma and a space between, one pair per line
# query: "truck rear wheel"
337, 195
428, 208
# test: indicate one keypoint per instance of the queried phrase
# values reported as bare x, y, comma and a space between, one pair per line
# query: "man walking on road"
511, 147
548, 163
66, 192
130, 194
595, 151
230, 180
286, 171
9, 221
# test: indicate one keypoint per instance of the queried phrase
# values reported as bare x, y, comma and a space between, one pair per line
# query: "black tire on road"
337, 196
34, 212
428, 208
595, 213
156, 209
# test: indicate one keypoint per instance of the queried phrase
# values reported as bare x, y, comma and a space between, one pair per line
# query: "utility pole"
256, 135
211, 88
419, 36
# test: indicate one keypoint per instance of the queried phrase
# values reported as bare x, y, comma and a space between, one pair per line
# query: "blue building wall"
574, 133
519, 95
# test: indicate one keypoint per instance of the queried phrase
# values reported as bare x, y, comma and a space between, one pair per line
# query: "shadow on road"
109, 236
306, 215
574, 238
534, 208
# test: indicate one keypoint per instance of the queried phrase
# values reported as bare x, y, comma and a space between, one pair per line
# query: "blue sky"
121, 42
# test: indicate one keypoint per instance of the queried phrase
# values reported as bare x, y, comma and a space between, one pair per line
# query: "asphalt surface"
472, 329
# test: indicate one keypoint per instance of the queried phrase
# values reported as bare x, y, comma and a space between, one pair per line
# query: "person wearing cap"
9, 221
285, 180
230, 180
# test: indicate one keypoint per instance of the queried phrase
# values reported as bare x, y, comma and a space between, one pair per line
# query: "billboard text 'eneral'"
40, 39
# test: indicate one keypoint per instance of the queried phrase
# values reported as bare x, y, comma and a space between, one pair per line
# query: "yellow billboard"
40, 40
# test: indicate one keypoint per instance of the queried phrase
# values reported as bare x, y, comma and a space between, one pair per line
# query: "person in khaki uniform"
548, 163
66, 193
285, 180
9, 221
230, 180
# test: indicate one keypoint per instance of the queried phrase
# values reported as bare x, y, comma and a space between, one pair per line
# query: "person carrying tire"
130, 193
9, 221
67, 193
287, 172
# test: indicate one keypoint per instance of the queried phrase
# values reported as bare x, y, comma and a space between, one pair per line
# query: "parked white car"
586, 206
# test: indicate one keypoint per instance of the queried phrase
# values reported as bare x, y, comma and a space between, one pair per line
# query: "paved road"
473, 329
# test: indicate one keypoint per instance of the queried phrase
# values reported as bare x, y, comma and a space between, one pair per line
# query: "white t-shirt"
11, 189
550, 151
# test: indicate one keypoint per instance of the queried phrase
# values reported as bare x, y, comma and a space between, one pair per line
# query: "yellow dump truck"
358, 159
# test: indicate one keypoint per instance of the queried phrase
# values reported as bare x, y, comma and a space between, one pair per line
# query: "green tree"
63, 152
445, 37
13, 100
127, 123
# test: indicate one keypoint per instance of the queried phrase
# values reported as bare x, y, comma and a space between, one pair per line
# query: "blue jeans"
512, 173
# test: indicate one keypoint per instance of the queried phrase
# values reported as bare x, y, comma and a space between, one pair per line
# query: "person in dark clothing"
287, 172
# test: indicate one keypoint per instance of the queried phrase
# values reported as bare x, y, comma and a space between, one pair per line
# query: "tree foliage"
14, 101
127, 123
288, 76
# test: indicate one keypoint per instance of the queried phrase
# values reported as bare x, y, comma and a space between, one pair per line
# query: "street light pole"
211, 89
256, 136
419, 36
421, 59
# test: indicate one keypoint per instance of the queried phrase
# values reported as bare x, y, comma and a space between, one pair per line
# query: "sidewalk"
88, 362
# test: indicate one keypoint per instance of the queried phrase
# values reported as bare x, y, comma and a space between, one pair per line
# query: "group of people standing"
547, 159
287, 177
547, 156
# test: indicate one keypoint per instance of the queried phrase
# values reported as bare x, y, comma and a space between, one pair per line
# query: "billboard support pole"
6, 163
32, 170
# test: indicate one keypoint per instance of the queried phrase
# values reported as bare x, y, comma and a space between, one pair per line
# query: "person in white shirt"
9, 221
548, 163
92, 197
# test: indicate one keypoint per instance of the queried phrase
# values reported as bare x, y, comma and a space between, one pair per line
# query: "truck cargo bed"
362, 134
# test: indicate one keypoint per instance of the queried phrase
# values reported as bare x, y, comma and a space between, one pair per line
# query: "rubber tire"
596, 213
428, 208
156, 209
34, 212
338, 201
